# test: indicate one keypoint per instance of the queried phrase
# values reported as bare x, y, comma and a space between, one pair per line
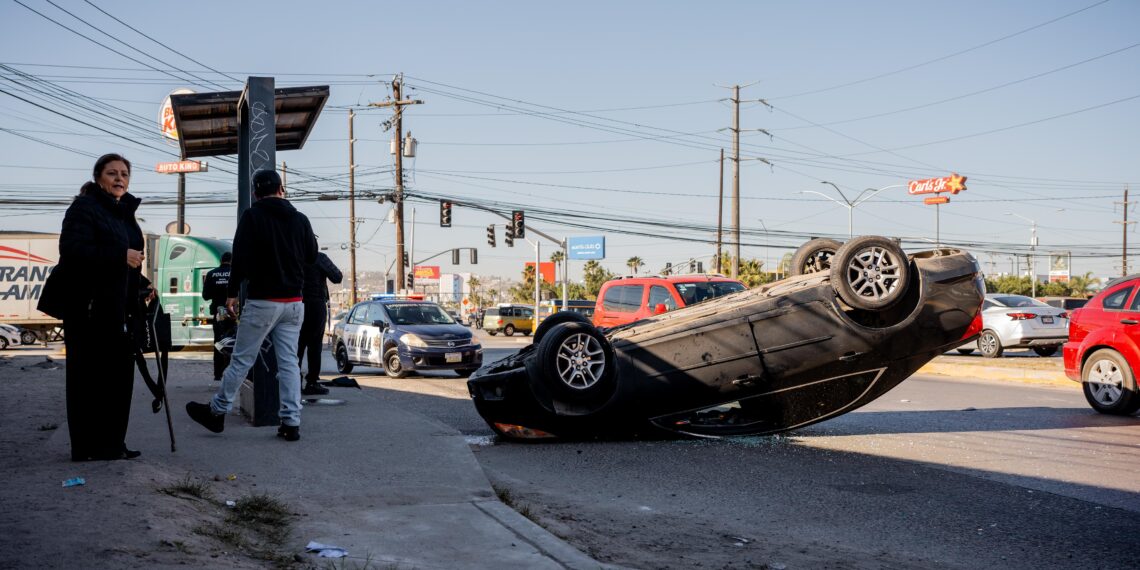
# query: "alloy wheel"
1106, 382
581, 362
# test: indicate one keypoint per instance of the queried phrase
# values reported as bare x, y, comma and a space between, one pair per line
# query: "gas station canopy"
208, 122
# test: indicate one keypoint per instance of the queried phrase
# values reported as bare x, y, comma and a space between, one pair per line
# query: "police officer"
316, 296
214, 291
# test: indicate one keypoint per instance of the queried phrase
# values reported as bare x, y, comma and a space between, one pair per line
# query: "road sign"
953, 184
936, 200
181, 166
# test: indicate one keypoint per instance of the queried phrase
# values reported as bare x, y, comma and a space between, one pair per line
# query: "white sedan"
1017, 321
9, 336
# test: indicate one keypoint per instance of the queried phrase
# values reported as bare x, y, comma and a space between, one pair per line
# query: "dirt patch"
128, 514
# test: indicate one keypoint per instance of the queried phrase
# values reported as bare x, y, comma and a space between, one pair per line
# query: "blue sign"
588, 247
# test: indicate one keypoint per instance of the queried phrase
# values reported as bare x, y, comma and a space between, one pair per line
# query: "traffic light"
491, 235
519, 229
455, 257
474, 256
668, 269
509, 237
406, 264
411, 281
445, 213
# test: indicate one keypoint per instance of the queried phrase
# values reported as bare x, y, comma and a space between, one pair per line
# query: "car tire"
990, 344
3, 343
509, 330
492, 333
465, 372
871, 273
1045, 350
577, 363
965, 351
28, 337
1109, 383
557, 319
343, 365
814, 256
392, 365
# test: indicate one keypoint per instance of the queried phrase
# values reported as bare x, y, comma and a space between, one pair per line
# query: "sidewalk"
392, 487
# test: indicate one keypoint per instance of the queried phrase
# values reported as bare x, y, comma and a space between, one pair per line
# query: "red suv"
627, 299
1104, 347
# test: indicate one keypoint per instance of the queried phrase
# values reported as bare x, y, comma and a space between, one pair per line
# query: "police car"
403, 335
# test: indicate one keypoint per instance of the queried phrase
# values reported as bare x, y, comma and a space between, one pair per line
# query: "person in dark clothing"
316, 298
95, 288
214, 290
272, 245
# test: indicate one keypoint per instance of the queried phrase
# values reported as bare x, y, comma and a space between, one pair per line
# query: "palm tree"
634, 263
557, 257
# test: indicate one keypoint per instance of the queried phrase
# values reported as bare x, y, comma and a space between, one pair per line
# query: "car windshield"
417, 314
1019, 301
698, 291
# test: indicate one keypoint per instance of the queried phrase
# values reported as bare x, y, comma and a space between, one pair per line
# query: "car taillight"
499, 322
1022, 316
1064, 315
975, 326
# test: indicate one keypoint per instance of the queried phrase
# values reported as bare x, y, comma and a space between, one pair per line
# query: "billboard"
586, 247
426, 272
546, 269
1059, 263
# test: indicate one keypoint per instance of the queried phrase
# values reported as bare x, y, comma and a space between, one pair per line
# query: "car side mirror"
660, 308
380, 324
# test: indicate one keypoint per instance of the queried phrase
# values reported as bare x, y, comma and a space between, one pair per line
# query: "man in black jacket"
215, 291
316, 294
272, 245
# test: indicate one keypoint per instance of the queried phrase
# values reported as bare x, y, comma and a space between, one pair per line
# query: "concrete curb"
1008, 371
550, 545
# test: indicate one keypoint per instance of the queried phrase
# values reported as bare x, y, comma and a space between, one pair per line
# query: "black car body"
766, 360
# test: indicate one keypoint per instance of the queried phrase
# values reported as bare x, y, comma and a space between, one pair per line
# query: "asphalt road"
940, 473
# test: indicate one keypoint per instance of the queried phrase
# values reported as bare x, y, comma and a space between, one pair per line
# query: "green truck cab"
177, 267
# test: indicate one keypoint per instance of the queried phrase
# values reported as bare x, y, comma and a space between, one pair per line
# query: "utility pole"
352, 208
735, 181
398, 105
720, 215
1124, 235
284, 175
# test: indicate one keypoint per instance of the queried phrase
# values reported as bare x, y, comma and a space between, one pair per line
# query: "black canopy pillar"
257, 134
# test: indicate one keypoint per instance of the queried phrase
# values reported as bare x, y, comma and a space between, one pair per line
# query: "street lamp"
850, 204
1032, 252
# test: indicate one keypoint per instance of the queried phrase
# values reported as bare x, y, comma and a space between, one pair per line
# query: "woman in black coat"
100, 260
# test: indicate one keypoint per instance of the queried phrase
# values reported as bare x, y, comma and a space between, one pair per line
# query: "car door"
659, 295
354, 332
1128, 322
374, 335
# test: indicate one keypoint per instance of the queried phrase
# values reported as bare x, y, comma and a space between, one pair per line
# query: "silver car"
1017, 321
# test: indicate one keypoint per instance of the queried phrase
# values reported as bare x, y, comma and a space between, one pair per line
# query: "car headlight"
410, 339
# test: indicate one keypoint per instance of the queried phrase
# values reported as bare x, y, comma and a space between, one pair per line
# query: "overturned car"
862, 317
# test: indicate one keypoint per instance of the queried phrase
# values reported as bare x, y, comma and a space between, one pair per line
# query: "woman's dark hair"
107, 159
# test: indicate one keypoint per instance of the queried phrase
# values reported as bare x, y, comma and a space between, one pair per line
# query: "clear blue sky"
610, 111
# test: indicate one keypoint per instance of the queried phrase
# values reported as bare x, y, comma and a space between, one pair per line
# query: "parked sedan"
402, 335
1017, 321
769, 359
1104, 348
9, 336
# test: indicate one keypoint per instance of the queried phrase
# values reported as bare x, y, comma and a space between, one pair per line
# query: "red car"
627, 299
1104, 347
